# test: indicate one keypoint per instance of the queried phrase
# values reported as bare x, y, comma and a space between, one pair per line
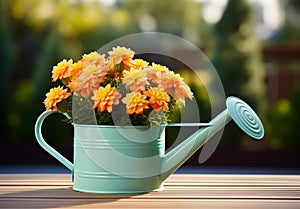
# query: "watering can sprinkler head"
245, 117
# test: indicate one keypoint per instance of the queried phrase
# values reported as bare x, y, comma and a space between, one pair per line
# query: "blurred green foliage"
7, 55
36, 34
282, 126
290, 31
283, 123
238, 61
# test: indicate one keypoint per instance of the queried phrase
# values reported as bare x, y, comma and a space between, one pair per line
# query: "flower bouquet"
117, 86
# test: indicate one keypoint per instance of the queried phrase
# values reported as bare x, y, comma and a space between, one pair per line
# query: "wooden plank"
181, 191
127, 203
288, 193
177, 179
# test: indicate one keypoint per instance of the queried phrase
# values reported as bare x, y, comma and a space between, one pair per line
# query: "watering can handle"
44, 145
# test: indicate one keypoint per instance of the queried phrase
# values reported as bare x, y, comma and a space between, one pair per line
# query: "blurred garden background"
254, 46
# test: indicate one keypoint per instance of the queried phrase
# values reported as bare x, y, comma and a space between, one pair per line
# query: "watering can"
130, 159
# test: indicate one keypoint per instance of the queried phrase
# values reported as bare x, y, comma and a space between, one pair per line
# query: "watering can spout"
238, 110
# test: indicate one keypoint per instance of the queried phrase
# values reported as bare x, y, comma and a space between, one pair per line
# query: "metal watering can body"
115, 159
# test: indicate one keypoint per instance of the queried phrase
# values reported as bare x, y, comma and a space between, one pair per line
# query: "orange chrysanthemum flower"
72, 85
62, 70
155, 72
158, 99
93, 58
55, 96
119, 54
175, 86
135, 103
96, 77
76, 70
87, 73
89, 80
135, 79
106, 97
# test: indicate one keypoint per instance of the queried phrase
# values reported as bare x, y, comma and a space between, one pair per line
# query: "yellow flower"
158, 67
54, 97
62, 70
158, 99
139, 63
136, 79
119, 54
135, 103
105, 97
89, 80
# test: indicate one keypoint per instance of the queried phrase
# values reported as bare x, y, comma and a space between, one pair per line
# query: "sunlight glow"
270, 14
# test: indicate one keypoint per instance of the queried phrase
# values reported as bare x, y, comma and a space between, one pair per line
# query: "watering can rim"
145, 126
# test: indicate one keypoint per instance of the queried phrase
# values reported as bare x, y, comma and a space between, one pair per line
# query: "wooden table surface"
181, 191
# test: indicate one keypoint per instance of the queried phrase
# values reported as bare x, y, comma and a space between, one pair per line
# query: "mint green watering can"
132, 159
